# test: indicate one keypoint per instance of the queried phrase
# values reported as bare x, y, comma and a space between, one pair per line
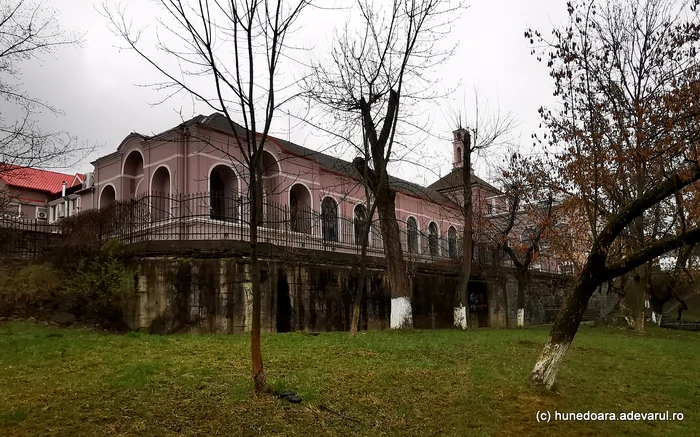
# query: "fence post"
181, 213
285, 219
131, 220
35, 237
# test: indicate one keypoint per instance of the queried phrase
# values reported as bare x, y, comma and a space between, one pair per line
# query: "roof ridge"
19, 167
332, 162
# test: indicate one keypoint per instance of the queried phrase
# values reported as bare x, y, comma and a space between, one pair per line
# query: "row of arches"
224, 202
222, 177
412, 240
160, 183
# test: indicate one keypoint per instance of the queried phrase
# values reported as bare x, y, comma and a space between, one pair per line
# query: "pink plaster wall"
190, 159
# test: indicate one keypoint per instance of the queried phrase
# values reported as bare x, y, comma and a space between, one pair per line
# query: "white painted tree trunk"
521, 317
401, 313
460, 317
248, 288
545, 371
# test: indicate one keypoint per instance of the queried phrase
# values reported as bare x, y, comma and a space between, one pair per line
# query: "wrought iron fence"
26, 239
216, 216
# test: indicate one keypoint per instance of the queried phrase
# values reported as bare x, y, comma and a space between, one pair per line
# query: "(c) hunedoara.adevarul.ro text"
559, 416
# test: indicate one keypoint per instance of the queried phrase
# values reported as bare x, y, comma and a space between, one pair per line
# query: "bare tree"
375, 75
237, 48
29, 31
627, 75
363, 225
487, 130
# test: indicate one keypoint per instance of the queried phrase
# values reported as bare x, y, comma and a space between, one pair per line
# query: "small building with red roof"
28, 191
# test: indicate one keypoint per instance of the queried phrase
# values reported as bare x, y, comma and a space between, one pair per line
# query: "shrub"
94, 285
30, 289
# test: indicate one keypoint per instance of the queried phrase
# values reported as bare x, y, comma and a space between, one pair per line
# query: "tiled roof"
35, 179
219, 122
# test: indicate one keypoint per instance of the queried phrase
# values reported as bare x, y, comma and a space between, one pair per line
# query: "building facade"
190, 183
200, 161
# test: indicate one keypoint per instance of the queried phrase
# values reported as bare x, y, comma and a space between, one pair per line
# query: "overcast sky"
97, 85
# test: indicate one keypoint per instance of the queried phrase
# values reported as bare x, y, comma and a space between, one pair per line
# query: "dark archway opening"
479, 303
223, 192
284, 304
329, 220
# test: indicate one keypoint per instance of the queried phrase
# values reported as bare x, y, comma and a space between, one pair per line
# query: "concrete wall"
215, 295
209, 295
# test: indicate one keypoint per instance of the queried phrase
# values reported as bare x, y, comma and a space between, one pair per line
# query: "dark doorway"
479, 303
284, 304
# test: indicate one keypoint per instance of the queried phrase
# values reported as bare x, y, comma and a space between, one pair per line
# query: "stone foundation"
215, 296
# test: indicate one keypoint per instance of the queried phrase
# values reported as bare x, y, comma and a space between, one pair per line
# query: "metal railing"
215, 216
26, 239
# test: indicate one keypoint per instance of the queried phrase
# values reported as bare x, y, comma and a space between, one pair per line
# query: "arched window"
269, 170
108, 197
300, 209
412, 235
433, 239
132, 174
223, 194
160, 194
329, 219
360, 223
452, 242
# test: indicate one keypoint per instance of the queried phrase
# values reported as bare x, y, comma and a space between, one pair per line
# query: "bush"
94, 285
30, 289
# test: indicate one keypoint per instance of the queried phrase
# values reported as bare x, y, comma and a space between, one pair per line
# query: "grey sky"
96, 85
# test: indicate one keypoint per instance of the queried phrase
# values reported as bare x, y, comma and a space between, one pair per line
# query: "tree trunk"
522, 280
562, 334
401, 312
258, 372
639, 285
460, 314
354, 324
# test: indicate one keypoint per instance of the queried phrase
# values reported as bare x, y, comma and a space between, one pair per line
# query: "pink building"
189, 183
195, 170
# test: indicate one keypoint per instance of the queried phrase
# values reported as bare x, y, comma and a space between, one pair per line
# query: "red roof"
35, 179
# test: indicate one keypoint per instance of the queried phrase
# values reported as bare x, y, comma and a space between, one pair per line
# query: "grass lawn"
75, 382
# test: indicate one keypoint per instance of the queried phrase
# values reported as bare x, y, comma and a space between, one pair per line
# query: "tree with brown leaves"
626, 134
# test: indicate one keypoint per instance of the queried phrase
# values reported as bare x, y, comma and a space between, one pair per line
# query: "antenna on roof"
289, 128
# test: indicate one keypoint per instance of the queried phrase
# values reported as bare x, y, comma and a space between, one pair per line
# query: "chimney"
63, 190
461, 137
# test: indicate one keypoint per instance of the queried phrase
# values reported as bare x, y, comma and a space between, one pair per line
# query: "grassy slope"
693, 302
691, 299
75, 382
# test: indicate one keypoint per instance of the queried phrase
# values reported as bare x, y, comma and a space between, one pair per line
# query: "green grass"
75, 382
693, 302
